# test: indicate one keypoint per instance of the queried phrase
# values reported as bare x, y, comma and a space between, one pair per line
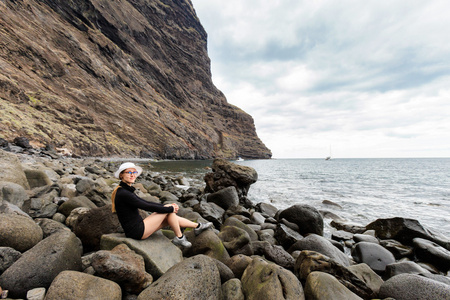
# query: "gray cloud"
369, 77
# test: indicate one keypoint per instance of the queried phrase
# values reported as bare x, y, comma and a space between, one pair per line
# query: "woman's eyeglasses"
131, 173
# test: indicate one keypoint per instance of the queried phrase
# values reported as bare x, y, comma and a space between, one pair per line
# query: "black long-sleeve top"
127, 204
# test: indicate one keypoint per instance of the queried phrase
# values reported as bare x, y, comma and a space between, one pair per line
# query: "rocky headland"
59, 240
116, 78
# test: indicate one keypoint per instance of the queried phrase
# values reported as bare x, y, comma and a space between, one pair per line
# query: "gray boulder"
232, 290
374, 255
306, 217
405, 230
264, 280
158, 251
50, 226
167, 197
320, 244
368, 276
8, 256
211, 212
278, 255
408, 267
13, 193
122, 266
194, 278
44, 206
238, 264
287, 236
12, 170
19, 232
321, 286
207, 243
225, 198
266, 209
414, 287
41, 264
398, 249
431, 252
365, 238
72, 285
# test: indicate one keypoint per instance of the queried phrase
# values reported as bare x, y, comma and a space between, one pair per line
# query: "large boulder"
225, 173
72, 285
40, 265
238, 264
414, 287
431, 252
368, 276
194, 278
405, 230
37, 178
8, 256
225, 198
12, 170
321, 286
286, 236
232, 290
320, 244
408, 267
264, 280
207, 243
233, 221
12, 193
307, 218
374, 255
211, 212
158, 252
235, 240
122, 266
50, 226
19, 232
311, 261
80, 201
278, 255
93, 224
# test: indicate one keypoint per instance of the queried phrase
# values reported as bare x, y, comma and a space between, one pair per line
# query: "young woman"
127, 204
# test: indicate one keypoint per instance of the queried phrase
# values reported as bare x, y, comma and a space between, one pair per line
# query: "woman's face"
129, 175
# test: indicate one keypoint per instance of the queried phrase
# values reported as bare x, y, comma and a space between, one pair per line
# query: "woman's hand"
175, 207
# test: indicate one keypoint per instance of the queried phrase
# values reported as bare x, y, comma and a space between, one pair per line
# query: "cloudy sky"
364, 78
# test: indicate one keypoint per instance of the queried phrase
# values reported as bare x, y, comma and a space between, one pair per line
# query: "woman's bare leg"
157, 221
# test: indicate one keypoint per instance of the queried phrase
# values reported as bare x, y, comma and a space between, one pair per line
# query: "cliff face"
108, 78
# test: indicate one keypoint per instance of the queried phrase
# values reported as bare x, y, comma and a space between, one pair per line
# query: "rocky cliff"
116, 78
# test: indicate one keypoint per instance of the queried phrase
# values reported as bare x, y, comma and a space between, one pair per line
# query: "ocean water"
362, 190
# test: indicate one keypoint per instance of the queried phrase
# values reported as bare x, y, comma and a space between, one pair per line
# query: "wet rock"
408, 267
320, 244
158, 252
194, 278
40, 265
365, 238
263, 280
431, 252
347, 226
414, 287
122, 266
405, 230
307, 218
286, 236
8, 256
232, 290
225, 198
341, 235
19, 232
321, 285
374, 255
77, 285
398, 249
266, 209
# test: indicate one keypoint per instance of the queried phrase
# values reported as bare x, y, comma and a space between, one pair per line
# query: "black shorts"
136, 232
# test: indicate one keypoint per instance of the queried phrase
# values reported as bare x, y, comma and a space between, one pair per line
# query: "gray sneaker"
183, 242
203, 227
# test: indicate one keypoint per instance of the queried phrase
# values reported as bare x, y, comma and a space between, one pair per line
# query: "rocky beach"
59, 240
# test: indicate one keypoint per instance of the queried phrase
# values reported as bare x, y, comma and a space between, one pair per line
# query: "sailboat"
328, 157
